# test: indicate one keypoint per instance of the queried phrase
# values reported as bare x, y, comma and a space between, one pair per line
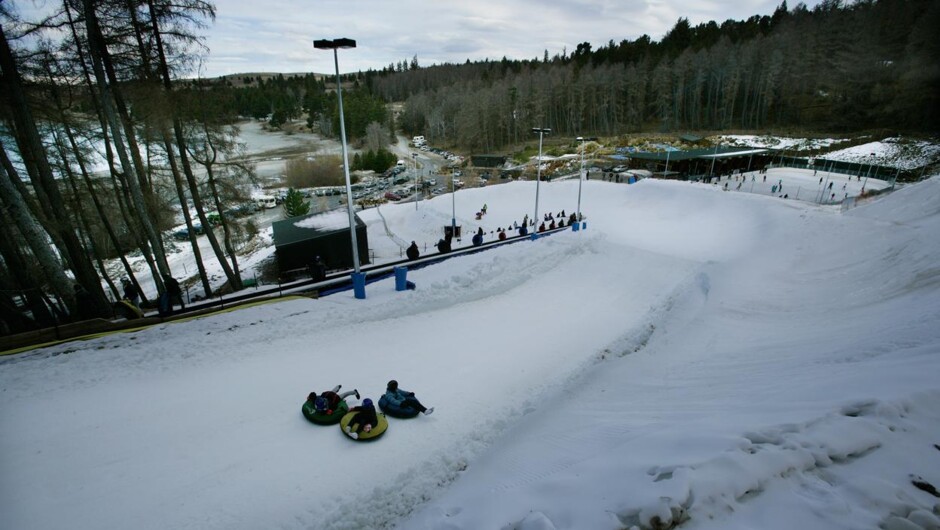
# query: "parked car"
392, 196
183, 233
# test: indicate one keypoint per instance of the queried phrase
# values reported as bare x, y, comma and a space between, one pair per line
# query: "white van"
266, 201
418, 141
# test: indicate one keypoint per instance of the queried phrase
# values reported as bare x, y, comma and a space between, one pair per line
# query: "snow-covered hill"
729, 360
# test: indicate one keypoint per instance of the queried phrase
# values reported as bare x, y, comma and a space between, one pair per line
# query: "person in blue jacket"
404, 399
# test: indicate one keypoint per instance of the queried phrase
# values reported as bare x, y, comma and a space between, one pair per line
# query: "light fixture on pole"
538, 176
871, 164
576, 225
414, 158
359, 280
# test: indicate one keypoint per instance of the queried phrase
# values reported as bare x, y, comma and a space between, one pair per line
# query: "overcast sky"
277, 35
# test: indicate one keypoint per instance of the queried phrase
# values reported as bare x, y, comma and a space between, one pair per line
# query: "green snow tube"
376, 431
310, 412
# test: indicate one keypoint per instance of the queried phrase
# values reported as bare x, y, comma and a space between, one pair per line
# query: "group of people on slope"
553, 221
366, 417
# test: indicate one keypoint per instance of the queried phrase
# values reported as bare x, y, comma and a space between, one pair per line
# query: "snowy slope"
733, 360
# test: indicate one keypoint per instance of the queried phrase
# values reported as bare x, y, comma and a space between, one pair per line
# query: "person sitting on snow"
364, 420
404, 399
328, 400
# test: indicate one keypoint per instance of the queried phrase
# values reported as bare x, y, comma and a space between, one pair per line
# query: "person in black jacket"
84, 303
443, 245
317, 269
412, 251
130, 292
172, 295
364, 420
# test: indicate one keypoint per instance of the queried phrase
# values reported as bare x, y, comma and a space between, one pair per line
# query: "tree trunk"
197, 254
184, 158
97, 49
34, 158
49, 263
121, 192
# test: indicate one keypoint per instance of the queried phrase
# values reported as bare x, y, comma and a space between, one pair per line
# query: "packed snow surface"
727, 360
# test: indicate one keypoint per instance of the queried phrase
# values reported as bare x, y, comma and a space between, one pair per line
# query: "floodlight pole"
453, 205
871, 164
582, 175
711, 172
414, 158
538, 177
335, 45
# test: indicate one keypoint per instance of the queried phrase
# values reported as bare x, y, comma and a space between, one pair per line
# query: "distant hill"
252, 78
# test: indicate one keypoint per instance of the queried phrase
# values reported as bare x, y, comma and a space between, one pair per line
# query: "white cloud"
277, 35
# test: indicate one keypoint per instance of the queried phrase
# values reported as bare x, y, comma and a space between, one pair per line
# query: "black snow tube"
396, 411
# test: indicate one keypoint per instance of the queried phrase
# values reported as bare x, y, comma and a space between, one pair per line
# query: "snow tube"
124, 308
395, 411
320, 418
377, 430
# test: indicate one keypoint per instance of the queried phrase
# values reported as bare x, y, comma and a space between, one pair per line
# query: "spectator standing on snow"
171, 295
477, 238
413, 253
130, 292
317, 269
84, 303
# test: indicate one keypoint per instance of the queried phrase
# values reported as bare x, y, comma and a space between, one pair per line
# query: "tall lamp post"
359, 279
711, 172
871, 164
453, 204
538, 176
577, 224
414, 158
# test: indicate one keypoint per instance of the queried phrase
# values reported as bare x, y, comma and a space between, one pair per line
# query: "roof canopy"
720, 152
296, 229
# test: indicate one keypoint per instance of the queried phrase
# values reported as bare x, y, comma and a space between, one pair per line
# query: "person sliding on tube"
328, 400
403, 399
364, 420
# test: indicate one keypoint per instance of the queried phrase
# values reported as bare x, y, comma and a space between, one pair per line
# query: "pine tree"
294, 204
